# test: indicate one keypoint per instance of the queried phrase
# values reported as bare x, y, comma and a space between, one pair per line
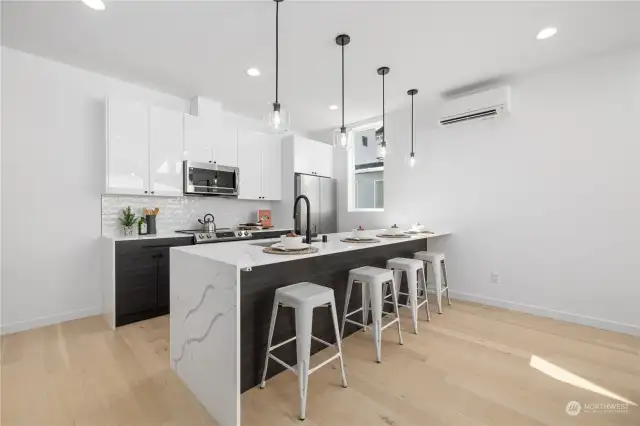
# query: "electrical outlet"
495, 277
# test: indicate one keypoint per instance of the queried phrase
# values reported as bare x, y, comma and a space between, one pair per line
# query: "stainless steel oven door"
210, 179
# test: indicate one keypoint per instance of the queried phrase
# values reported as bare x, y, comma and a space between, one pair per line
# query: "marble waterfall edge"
204, 332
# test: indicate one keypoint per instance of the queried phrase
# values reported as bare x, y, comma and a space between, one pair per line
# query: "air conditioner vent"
483, 105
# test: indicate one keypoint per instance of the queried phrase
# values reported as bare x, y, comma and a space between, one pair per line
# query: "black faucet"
295, 205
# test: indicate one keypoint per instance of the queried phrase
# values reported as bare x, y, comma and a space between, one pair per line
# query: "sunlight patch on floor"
568, 377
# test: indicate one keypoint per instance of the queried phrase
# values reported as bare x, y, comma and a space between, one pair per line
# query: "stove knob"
208, 235
200, 236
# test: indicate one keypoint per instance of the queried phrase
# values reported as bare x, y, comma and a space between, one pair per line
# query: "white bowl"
359, 233
393, 231
417, 227
291, 242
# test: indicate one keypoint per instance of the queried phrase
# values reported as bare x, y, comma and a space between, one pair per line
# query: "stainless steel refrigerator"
321, 192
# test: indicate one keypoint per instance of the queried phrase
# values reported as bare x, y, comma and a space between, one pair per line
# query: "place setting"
291, 244
394, 232
418, 229
358, 236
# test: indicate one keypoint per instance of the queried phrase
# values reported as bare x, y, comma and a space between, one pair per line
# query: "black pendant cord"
412, 130
383, 71
342, 87
384, 130
412, 93
277, 50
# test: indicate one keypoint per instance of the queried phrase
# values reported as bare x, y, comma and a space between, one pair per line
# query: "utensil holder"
151, 224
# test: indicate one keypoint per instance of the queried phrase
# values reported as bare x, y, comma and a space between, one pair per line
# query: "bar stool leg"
366, 298
303, 352
412, 281
272, 325
446, 281
346, 306
376, 313
423, 285
334, 315
397, 278
437, 275
394, 298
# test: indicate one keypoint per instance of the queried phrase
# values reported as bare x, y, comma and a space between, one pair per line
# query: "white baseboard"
44, 321
550, 313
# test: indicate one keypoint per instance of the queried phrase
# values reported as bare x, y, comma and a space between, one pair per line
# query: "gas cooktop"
221, 235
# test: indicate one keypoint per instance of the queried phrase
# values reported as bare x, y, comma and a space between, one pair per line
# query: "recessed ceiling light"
94, 4
333, 107
546, 33
253, 72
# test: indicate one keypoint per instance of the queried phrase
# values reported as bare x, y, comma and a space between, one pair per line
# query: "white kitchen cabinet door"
250, 164
324, 159
303, 155
165, 151
312, 157
198, 139
272, 168
127, 147
226, 145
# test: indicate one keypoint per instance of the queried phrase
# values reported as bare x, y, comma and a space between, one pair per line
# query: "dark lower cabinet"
142, 278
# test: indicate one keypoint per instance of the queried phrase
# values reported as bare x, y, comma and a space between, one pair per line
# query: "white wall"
549, 198
52, 180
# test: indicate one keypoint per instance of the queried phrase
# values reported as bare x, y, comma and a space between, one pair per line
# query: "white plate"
280, 246
360, 238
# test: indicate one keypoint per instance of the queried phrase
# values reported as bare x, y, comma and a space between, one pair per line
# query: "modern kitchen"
263, 229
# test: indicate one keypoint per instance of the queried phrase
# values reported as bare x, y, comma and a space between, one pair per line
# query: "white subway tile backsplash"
180, 212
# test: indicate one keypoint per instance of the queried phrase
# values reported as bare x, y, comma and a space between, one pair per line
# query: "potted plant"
128, 220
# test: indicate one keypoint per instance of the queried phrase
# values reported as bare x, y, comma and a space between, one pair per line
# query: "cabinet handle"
153, 192
146, 192
209, 161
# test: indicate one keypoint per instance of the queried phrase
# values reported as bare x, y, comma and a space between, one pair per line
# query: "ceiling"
191, 48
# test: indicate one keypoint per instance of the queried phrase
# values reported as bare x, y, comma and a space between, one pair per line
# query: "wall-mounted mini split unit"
477, 106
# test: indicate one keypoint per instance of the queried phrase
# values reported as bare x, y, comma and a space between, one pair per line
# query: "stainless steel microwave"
210, 179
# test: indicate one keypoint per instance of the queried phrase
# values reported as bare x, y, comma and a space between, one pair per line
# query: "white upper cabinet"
272, 168
165, 151
127, 147
324, 164
312, 157
211, 139
198, 139
144, 149
250, 165
260, 164
226, 144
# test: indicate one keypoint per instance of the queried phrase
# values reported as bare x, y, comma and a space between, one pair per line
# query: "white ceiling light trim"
333, 107
95, 4
253, 72
547, 33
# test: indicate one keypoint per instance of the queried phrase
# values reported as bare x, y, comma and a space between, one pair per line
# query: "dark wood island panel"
257, 289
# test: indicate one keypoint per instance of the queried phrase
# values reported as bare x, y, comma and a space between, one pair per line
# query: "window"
366, 169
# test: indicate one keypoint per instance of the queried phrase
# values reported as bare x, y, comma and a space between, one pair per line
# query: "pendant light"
341, 141
383, 145
278, 118
412, 154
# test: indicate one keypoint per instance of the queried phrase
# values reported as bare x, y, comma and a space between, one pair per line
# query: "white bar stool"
303, 297
414, 269
440, 272
371, 280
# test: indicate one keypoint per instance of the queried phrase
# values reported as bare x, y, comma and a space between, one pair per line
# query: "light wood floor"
470, 366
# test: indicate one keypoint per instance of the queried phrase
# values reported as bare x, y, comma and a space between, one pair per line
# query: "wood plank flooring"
470, 366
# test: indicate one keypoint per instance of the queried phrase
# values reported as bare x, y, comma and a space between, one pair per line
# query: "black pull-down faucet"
295, 206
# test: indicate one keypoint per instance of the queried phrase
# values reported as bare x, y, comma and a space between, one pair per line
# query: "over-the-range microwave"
210, 179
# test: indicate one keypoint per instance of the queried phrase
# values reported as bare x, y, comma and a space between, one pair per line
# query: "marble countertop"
136, 237
245, 254
172, 234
